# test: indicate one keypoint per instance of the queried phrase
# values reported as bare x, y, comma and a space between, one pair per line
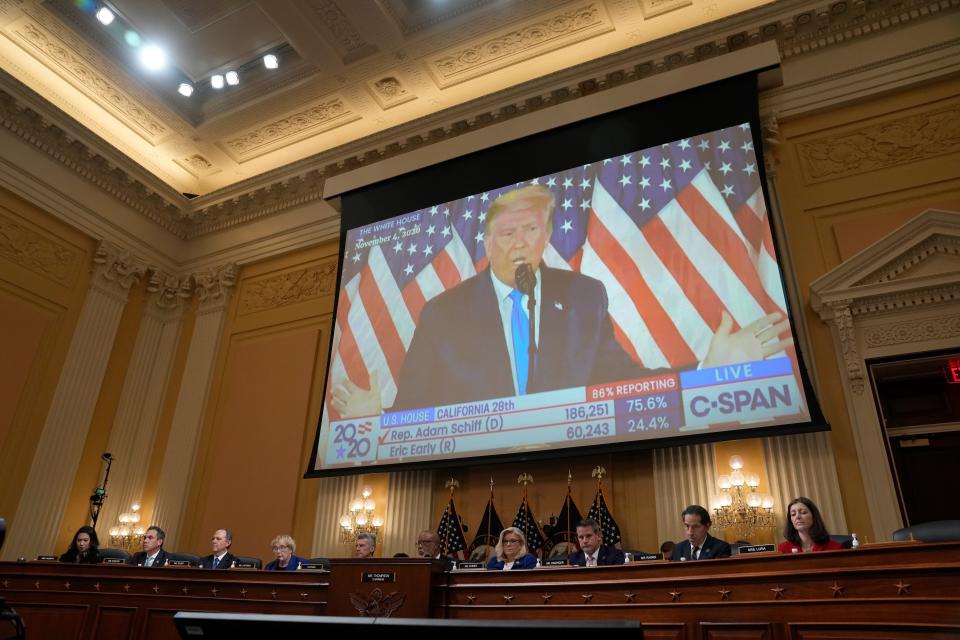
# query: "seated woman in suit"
84, 548
511, 551
805, 530
283, 547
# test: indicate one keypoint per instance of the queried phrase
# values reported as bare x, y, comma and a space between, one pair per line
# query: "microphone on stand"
527, 283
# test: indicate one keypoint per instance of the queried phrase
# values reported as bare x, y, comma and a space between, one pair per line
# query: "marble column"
138, 412
33, 530
213, 289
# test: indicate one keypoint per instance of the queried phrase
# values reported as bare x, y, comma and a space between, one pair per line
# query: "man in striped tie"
472, 342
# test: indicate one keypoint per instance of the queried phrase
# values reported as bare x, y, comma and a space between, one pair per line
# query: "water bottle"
538, 564
855, 542
299, 566
233, 565
627, 558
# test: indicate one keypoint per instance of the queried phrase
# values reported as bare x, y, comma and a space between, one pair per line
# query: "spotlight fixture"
232, 78
185, 89
153, 57
216, 81
132, 38
105, 16
270, 61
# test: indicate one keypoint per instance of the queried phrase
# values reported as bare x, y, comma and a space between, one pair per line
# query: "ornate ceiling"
359, 80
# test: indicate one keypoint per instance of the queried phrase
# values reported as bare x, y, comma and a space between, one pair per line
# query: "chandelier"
740, 506
127, 533
360, 518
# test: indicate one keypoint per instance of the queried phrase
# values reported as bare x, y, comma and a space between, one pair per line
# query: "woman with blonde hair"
283, 547
511, 551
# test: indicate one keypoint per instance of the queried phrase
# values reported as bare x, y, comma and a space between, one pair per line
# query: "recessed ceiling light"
216, 81
232, 78
153, 57
132, 38
270, 61
105, 16
185, 89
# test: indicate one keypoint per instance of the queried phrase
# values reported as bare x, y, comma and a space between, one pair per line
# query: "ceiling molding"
798, 27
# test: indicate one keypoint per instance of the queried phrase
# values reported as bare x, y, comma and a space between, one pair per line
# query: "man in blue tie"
472, 341
221, 558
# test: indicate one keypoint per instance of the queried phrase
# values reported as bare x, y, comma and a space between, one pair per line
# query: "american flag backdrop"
677, 233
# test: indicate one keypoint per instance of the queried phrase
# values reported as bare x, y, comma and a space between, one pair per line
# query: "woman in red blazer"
805, 530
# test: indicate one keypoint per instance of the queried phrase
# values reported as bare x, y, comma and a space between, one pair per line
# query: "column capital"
115, 270
167, 294
214, 287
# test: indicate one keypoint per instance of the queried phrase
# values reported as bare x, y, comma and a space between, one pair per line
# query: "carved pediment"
919, 263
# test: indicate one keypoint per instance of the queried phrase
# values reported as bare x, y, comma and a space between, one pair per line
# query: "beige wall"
44, 271
845, 177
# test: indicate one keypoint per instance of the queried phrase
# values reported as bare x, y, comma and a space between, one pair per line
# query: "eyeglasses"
280, 548
421, 543
510, 541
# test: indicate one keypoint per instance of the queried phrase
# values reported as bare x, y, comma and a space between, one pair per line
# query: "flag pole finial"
525, 479
598, 472
452, 484
569, 477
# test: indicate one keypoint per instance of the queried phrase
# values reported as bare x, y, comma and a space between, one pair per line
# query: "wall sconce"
127, 533
360, 518
740, 506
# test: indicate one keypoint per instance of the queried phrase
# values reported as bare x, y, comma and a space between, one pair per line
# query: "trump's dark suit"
459, 352
712, 548
605, 556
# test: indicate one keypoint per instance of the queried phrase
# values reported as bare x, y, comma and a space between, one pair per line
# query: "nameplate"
471, 565
314, 567
114, 561
757, 548
647, 557
379, 576
244, 565
47, 558
178, 563
554, 562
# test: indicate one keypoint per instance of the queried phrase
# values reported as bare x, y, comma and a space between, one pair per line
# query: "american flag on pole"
525, 521
677, 233
450, 531
608, 526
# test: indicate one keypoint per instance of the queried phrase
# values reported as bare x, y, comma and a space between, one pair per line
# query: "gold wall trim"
882, 145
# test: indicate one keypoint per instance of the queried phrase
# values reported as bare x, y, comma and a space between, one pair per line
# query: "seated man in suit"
593, 553
221, 558
153, 554
428, 544
699, 545
471, 341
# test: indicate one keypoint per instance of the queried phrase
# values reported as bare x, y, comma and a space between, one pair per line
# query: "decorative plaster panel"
197, 165
287, 288
89, 72
38, 253
652, 8
298, 126
878, 146
389, 91
533, 39
337, 24
847, 334
912, 331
